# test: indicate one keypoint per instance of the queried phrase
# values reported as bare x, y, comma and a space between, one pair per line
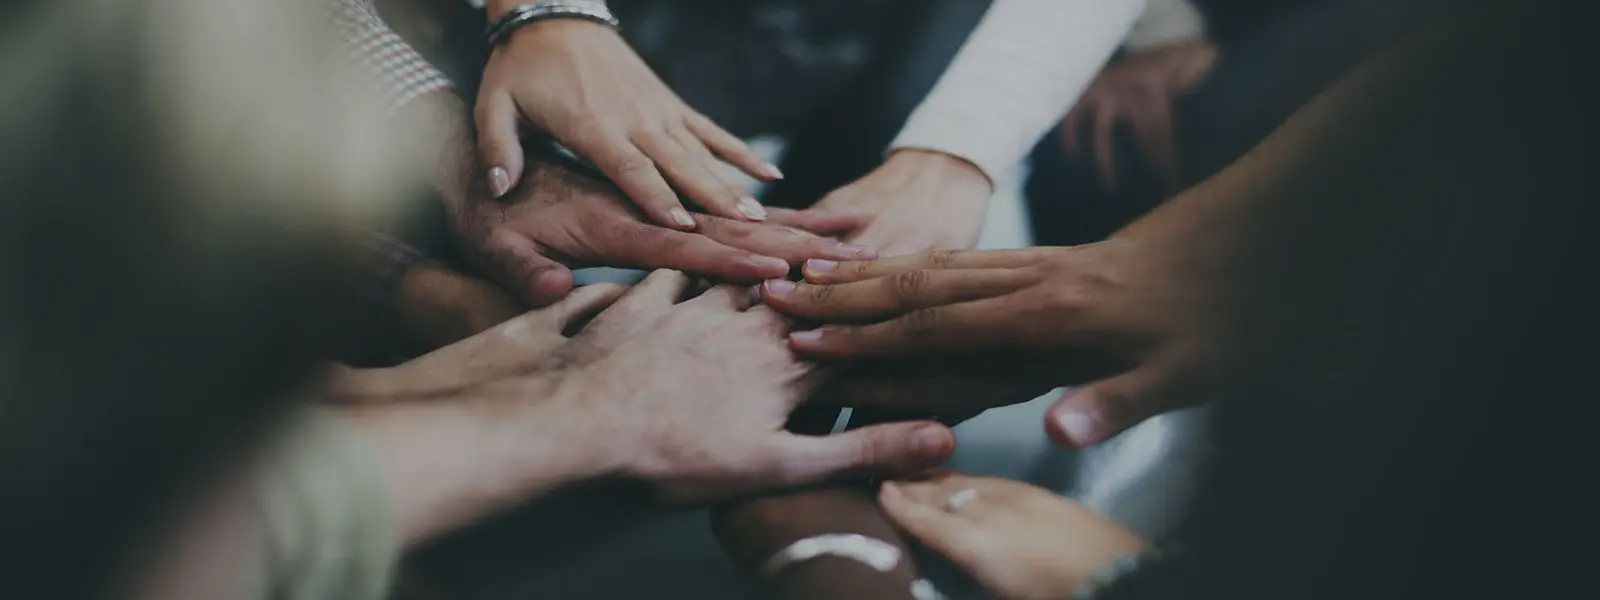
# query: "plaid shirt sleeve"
399, 70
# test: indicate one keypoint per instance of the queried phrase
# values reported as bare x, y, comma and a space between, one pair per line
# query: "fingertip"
550, 286
679, 218
810, 339
751, 209
768, 267
1071, 423
818, 270
890, 494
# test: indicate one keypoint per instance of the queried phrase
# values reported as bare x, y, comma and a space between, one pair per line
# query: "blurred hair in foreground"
178, 178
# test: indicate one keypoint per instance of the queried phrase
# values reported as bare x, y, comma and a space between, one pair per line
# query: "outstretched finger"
499, 145
690, 172
1102, 409
890, 448
826, 271
636, 174
985, 324
893, 295
517, 264
731, 149
818, 221
645, 246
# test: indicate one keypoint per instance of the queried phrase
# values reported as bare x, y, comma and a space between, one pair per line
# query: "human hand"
1141, 90
692, 397
955, 389
917, 200
435, 306
519, 345
1019, 541
753, 530
1148, 324
580, 82
560, 220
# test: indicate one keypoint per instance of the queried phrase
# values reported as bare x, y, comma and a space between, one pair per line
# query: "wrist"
753, 530
955, 175
450, 461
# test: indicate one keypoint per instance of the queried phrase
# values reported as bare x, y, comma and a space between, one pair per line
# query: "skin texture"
579, 81
917, 200
554, 220
753, 530
559, 220
1142, 91
523, 408
1019, 541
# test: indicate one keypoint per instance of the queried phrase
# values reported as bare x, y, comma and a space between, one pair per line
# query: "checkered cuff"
395, 68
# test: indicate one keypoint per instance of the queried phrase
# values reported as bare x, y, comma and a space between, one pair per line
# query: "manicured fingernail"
771, 171
681, 217
1079, 425
817, 265
499, 182
750, 208
932, 440
776, 265
806, 337
779, 287
858, 252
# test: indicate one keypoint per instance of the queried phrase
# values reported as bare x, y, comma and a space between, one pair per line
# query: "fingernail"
750, 208
771, 171
817, 265
778, 266
931, 441
806, 337
858, 252
891, 490
779, 287
499, 182
681, 217
1079, 425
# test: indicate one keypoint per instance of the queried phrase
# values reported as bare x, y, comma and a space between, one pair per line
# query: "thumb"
946, 533
499, 145
515, 262
1100, 410
890, 448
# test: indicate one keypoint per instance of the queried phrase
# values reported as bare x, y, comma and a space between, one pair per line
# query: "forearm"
448, 463
1017, 74
756, 529
1353, 187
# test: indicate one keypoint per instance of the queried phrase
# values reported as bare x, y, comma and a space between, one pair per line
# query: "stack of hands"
622, 381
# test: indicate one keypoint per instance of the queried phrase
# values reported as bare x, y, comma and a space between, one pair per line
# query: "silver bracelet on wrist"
877, 554
590, 10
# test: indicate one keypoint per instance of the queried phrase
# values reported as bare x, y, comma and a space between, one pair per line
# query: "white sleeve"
1165, 22
1014, 78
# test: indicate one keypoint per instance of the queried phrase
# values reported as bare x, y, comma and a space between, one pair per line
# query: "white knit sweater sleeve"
1016, 75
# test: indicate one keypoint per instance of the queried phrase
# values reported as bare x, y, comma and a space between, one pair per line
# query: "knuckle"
942, 259
633, 165
819, 294
908, 284
922, 322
